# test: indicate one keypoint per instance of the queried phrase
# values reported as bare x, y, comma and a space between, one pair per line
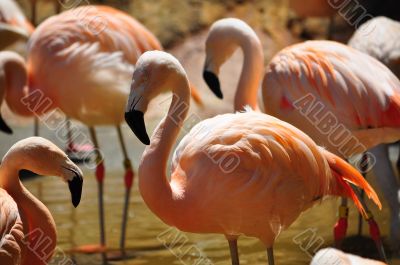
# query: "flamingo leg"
270, 254
398, 158
331, 28
33, 12
100, 181
58, 6
128, 179
77, 153
70, 145
33, 21
364, 168
389, 185
340, 229
374, 230
234, 251
36, 126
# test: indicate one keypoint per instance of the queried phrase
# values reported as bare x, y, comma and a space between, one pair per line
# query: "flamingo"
332, 256
274, 164
81, 62
27, 229
73, 150
312, 85
314, 8
378, 38
13, 24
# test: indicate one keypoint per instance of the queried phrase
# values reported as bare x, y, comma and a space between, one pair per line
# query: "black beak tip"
213, 83
135, 120
4, 127
75, 187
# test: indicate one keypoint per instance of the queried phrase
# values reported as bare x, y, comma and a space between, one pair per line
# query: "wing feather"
357, 88
11, 231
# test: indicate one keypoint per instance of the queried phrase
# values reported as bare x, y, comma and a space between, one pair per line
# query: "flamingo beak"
213, 83
135, 120
4, 127
75, 187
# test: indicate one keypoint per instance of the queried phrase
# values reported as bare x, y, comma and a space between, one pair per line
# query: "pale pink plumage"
11, 13
360, 92
379, 37
27, 230
13, 24
90, 52
280, 171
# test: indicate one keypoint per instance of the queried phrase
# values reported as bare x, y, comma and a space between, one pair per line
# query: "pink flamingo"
269, 164
27, 229
13, 24
332, 256
378, 38
324, 88
90, 52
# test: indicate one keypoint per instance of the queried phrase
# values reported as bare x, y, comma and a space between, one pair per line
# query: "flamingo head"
155, 72
225, 36
44, 158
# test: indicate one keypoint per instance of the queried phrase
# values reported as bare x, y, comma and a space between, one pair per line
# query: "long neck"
251, 76
13, 79
40, 236
153, 183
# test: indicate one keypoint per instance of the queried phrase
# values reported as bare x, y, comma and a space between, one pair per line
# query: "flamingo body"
379, 38
11, 13
366, 100
280, 171
277, 165
332, 256
90, 52
13, 24
345, 100
11, 230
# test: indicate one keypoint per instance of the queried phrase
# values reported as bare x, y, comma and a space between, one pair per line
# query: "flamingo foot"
89, 249
376, 236
79, 153
340, 228
120, 255
395, 233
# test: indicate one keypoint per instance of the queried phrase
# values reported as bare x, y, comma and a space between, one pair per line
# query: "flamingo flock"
322, 102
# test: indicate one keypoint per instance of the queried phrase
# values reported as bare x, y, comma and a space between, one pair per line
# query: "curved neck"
39, 227
13, 81
153, 183
251, 76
